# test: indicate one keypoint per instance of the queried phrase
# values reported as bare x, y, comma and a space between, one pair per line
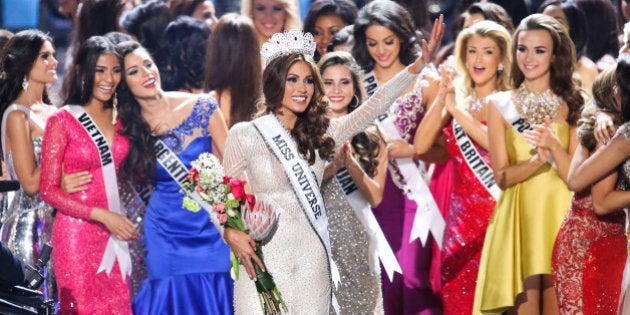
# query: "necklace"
476, 104
534, 107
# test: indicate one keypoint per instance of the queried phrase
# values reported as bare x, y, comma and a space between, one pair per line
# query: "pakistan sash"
303, 182
475, 161
115, 249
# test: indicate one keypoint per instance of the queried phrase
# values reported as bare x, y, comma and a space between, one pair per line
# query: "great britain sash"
116, 249
303, 181
378, 246
475, 161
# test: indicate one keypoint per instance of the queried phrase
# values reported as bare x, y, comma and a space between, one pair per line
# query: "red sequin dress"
78, 243
588, 259
466, 223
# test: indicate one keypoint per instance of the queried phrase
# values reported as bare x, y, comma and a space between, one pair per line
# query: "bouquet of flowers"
206, 185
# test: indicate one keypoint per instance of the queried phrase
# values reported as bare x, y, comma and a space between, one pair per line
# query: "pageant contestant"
90, 252
353, 183
532, 135
483, 62
282, 154
188, 263
385, 43
28, 64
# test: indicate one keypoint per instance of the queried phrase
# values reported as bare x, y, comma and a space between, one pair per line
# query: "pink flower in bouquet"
237, 188
261, 219
223, 217
219, 207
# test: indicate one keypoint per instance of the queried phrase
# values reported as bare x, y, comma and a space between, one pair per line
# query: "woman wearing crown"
282, 155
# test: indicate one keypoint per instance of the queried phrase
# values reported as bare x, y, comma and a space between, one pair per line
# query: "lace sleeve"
54, 145
343, 128
234, 163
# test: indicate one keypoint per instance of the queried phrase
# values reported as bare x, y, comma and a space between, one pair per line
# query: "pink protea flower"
261, 220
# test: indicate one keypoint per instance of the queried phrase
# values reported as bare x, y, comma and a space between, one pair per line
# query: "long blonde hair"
293, 21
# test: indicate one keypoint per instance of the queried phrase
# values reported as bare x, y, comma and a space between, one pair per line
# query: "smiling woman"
271, 16
84, 137
327, 17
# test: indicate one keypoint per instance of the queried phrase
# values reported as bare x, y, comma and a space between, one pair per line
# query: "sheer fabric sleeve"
623, 131
234, 163
54, 146
343, 128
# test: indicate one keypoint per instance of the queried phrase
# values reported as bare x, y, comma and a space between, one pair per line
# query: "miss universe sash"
303, 181
379, 247
115, 249
475, 161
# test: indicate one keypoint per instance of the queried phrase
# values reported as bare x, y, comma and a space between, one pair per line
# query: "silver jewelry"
293, 41
476, 104
25, 83
534, 107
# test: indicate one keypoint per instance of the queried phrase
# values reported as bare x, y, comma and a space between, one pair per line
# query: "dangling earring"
355, 101
500, 70
25, 83
82, 87
115, 110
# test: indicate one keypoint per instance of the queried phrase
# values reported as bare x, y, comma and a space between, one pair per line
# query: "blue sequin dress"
188, 263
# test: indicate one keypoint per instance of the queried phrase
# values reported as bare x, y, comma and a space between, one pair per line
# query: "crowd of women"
410, 174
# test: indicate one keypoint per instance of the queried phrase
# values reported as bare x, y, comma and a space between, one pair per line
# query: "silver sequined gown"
294, 256
360, 288
27, 223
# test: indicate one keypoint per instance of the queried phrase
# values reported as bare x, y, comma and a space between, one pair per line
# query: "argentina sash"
475, 161
179, 172
379, 247
503, 103
116, 248
303, 182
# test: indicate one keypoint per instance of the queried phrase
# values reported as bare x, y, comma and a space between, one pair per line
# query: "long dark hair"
81, 76
18, 57
344, 9
393, 16
185, 46
604, 99
622, 73
310, 127
140, 163
233, 64
563, 64
366, 145
577, 22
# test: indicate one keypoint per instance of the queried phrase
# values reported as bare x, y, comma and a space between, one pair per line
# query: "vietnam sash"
116, 249
303, 181
475, 161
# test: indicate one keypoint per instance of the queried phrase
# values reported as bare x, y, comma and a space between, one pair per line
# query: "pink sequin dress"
588, 259
78, 243
466, 223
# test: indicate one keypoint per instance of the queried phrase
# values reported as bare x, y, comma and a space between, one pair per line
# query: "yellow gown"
522, 230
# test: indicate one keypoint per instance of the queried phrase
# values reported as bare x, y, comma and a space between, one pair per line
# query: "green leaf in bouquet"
191, 205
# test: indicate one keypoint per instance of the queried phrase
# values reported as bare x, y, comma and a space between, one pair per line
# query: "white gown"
295, 256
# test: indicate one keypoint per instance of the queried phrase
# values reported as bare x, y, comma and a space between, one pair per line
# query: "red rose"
237, 188
194, 174
251, 200
226, 179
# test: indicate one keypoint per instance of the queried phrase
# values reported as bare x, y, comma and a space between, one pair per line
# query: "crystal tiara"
293, 41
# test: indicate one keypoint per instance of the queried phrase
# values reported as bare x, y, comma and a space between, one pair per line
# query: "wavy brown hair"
604, 99
562, 67
310, 127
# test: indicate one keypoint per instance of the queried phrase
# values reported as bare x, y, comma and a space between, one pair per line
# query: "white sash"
475, 161
179, 172
428, 217
369, 83
115, 249
506, 107
379, 247
303, 182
